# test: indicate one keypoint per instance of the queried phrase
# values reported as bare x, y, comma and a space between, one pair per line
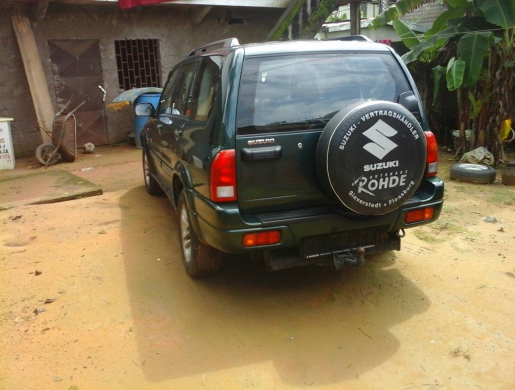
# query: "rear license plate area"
327, 244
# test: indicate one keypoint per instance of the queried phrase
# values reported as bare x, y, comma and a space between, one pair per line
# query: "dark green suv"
301, 152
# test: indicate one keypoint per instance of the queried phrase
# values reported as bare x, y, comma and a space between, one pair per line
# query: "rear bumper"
222, 226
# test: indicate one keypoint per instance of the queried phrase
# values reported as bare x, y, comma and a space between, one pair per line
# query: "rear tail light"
262, 238
432, 154
223, 177
420, 215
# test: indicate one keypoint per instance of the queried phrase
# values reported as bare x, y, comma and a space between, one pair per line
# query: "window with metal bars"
138, 63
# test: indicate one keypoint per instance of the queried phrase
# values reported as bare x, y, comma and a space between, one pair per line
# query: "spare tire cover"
371, 157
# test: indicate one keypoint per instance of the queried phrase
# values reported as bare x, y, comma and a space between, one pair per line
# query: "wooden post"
355, 17
35, 74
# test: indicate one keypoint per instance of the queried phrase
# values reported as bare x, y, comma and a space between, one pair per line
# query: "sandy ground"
93, 296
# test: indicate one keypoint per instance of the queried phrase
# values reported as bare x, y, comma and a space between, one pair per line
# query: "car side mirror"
410, 102
144, 109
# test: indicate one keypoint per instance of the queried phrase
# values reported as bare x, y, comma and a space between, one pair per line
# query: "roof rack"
360, 38
229, 42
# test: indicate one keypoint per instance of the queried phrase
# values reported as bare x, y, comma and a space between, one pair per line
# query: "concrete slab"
44, 187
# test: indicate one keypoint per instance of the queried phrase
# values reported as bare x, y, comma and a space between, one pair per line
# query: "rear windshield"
299, 92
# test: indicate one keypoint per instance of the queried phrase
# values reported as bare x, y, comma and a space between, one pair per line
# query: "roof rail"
360, 38
229, 42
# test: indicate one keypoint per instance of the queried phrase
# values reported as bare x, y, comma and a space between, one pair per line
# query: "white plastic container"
6, 144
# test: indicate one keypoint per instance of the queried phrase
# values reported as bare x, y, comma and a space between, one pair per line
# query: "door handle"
159, 127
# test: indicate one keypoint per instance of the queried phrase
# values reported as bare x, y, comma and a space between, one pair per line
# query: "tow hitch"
354, 258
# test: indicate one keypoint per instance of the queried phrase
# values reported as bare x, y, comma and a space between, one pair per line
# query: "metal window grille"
138, 63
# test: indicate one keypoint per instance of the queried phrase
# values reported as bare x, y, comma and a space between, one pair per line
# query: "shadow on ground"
315, 325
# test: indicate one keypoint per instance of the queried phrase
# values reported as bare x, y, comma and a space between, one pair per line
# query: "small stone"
37, 272
490, 219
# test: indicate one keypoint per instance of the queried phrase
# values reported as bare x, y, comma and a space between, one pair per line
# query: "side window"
165, 104
182, 98
205, 87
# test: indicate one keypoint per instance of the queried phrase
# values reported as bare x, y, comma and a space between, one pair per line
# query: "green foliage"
287, 21
438, 71
477, 105
325, 8
473, 48
443, 20
409, 38
484, 31
498, 12
394, 11
455, 74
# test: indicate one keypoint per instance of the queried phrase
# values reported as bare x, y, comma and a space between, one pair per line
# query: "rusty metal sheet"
77, 69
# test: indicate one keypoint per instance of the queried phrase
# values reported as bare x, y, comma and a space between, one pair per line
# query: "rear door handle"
260, 154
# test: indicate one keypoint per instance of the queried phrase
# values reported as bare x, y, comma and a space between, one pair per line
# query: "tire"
151, 184
46, 154
371, 157
198, 259
473, 173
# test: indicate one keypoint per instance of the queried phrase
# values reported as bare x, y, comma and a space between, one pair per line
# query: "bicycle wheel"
46, 154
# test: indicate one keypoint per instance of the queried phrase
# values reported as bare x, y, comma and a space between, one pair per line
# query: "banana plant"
484, 32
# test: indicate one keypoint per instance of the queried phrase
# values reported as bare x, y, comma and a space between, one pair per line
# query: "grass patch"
460, 188
459, 249
447, 225
430, 237
450, 210
503, 196
460, 351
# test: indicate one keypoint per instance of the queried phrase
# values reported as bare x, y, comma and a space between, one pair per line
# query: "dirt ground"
93, 296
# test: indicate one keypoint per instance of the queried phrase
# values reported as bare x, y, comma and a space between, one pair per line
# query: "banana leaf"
408, 36
473, 48
499, 12
455, 74
393, 12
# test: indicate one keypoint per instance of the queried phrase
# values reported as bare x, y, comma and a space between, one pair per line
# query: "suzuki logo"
379, 134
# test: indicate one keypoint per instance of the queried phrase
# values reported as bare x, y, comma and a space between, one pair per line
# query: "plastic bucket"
139, 121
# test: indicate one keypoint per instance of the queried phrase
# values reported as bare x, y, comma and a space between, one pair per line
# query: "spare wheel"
474, 173
371, 157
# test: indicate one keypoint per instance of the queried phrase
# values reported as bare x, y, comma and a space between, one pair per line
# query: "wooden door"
77, 70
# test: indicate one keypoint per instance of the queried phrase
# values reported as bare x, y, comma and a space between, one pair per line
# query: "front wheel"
47, 154
198, 259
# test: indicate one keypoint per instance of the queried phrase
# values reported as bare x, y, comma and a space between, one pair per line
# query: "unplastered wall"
15, 98
172, 25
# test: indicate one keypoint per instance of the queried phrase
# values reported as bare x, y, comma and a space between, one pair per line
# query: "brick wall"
172, 25
15, 98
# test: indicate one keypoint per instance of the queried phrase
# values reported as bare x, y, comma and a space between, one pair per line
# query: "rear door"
277, 136
154, 128
284, 103
178, 111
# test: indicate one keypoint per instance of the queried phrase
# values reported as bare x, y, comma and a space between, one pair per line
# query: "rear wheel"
198, 259
151, 184
47, 154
